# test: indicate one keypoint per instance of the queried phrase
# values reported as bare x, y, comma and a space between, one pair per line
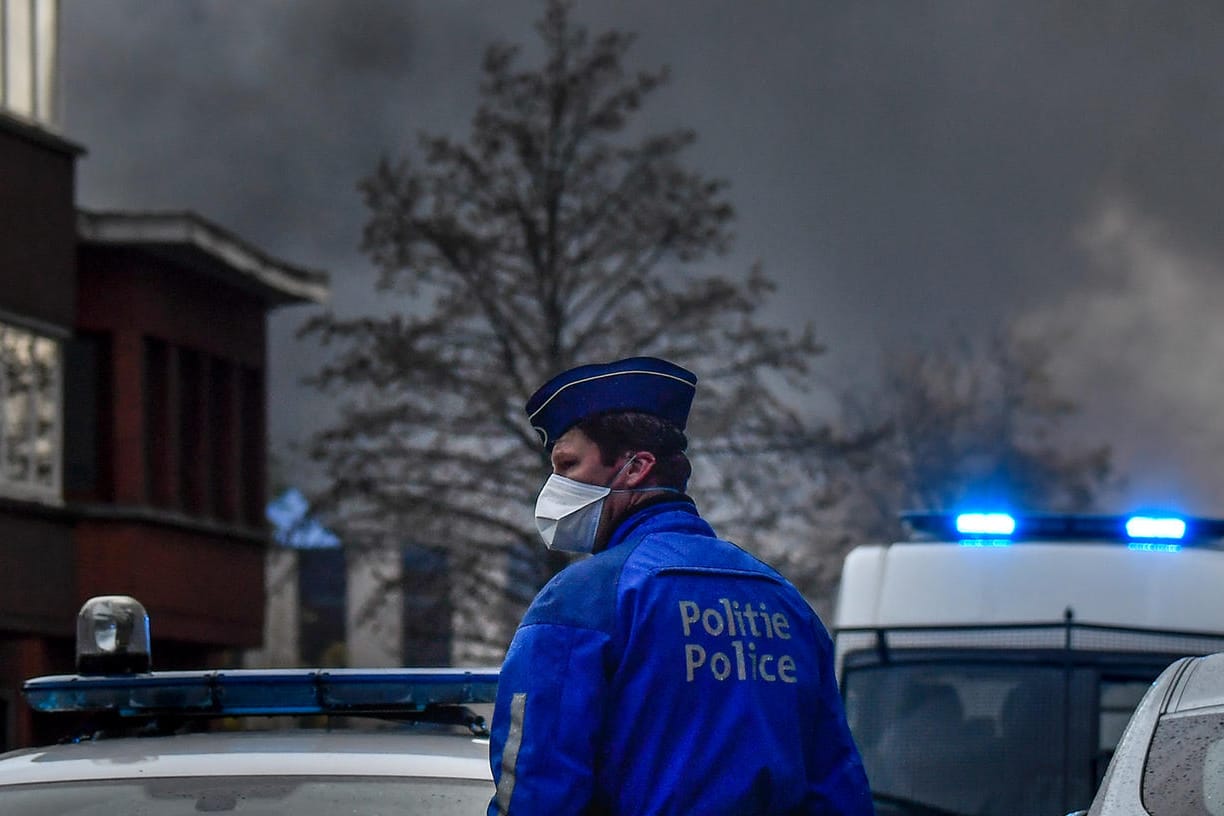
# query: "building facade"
37, 312
132, 403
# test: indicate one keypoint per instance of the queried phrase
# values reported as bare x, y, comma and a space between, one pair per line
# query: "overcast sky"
901, 168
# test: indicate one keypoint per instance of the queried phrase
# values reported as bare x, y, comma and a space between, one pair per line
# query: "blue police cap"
645, 384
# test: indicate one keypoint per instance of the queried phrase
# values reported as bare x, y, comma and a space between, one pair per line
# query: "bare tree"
970, 422
549, 238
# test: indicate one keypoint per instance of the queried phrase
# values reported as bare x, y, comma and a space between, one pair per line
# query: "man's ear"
640, 467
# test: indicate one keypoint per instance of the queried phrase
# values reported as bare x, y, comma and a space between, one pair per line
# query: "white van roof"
946, 583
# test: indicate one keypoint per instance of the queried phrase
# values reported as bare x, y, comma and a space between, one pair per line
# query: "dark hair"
620, 432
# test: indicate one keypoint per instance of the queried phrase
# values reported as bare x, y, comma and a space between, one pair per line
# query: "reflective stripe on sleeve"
514, 738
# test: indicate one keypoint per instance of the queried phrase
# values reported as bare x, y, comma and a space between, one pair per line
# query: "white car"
164, 743
1170, 760
309, 773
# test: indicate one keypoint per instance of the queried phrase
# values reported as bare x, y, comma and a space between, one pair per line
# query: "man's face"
577, 457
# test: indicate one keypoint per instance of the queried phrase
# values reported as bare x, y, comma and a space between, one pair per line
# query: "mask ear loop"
618, 473
657, 488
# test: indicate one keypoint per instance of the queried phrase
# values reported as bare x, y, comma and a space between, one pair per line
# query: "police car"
989, 661
1171, 756
167, 742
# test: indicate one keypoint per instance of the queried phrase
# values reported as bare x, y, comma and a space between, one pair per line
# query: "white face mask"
567, 511
567, 514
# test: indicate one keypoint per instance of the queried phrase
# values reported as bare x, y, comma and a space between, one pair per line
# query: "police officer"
672, 672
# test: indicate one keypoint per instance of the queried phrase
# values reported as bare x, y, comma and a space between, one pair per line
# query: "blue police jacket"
672, 673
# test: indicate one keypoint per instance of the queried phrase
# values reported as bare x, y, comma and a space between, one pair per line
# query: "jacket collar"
671, 512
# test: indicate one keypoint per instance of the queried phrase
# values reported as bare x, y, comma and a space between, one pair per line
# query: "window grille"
31, 424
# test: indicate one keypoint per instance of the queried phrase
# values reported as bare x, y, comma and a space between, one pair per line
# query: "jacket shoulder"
583, 594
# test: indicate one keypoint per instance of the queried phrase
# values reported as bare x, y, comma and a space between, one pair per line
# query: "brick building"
132, 403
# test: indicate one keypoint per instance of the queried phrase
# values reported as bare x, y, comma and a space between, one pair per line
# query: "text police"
735, 627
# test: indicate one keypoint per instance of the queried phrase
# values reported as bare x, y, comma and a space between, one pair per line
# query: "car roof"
1201, 685
254, 753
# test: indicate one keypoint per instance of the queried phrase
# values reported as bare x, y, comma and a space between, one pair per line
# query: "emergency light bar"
248, 692
1167, 531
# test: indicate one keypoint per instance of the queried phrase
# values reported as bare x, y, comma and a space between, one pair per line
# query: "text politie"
735, 656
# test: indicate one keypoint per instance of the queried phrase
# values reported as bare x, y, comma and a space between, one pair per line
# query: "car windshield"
250, 796
1184, 773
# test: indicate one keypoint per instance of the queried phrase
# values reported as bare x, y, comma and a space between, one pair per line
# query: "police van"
138, 741
990, 663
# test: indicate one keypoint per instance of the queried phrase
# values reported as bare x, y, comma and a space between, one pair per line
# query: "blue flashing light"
995, 524
969, 528
985, 542
263, 692
1154, 527
1152, 546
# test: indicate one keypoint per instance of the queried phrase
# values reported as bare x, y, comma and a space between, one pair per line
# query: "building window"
31, 374
87, 416
192, 434
27, 57
252, 440
161, 453
428, 609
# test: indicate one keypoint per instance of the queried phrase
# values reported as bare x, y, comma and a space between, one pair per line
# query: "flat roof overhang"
191, 242
38, 132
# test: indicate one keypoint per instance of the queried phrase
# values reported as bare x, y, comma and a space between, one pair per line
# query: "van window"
982, 739
976, 733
